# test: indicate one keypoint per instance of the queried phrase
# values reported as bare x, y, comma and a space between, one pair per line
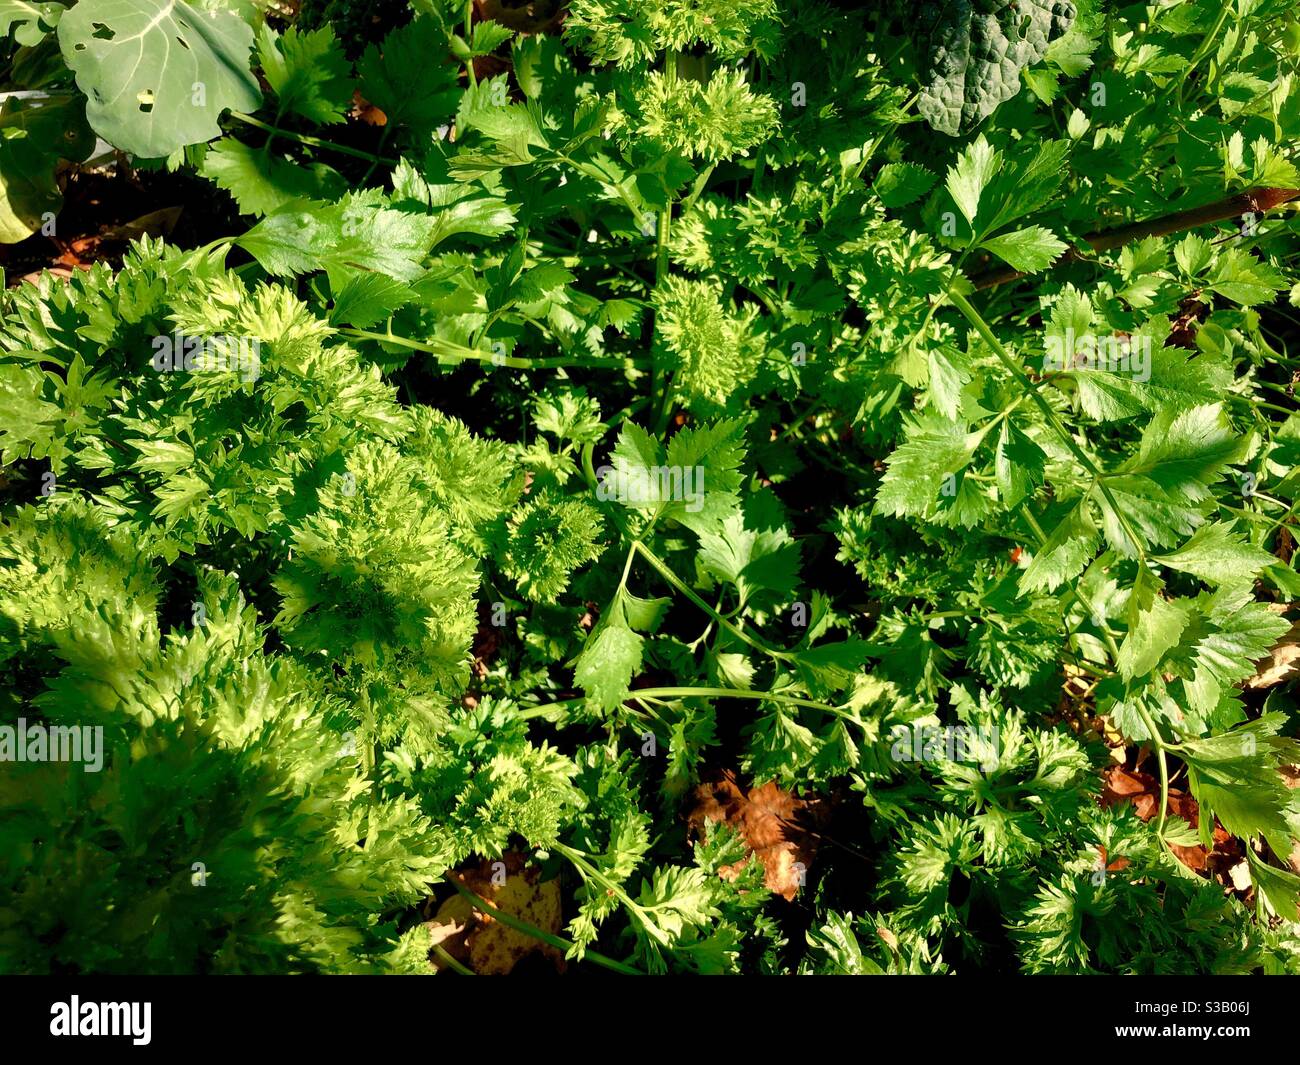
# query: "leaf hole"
146, 100
182, 42
102, 32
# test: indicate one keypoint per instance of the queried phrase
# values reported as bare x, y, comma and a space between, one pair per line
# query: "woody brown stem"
1256, 201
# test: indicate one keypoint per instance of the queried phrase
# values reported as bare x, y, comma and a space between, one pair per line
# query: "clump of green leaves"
670, 401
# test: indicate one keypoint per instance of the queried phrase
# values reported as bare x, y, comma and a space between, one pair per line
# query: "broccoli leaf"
157, 74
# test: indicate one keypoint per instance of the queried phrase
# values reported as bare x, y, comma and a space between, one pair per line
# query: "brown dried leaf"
1282, 664
483, 943
364, 111
158, 223
1120, 784
61, 272
770, 820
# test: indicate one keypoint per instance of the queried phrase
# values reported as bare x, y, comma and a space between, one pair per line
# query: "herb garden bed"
621, 487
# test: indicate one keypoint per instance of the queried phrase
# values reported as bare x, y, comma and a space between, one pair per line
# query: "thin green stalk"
982, 328
452, 354
663, 234
1256, 516
660, 385
452, 963
587, 870
469, 34
637, 694
312, 142
545, 709
211, 246
1158, 742
717, 607
383, 139
665, 571
698, 187
266, 146
870, 152
733, 693
799, 419
520, 925
588, 465
1205, 48
1033, 524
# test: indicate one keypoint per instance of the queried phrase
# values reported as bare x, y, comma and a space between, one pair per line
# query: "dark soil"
105, 208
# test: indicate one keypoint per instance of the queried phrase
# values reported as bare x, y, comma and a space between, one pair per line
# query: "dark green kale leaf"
975, 51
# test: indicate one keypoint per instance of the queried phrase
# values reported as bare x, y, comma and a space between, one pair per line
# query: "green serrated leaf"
358, 233
1154, 627
411, 77
1067, 550
366, 299
308, 73
1018, 464
1218, 554
923, 469
605, 668
899, 184
969, 176
261, 183
1028, 250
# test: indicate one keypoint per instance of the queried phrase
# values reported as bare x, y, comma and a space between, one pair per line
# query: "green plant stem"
982, 328
452, 963
869, 153
1206, 46
663, 234
733, 693
1259, 200
211, 246
312, 142
469, 36
519, 925
698, 187
1256, 516
270, 139
451, 354
543, 709
717, 607
660, 385
588, 465
1158, 742
665, 571
383, 139
581, 862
